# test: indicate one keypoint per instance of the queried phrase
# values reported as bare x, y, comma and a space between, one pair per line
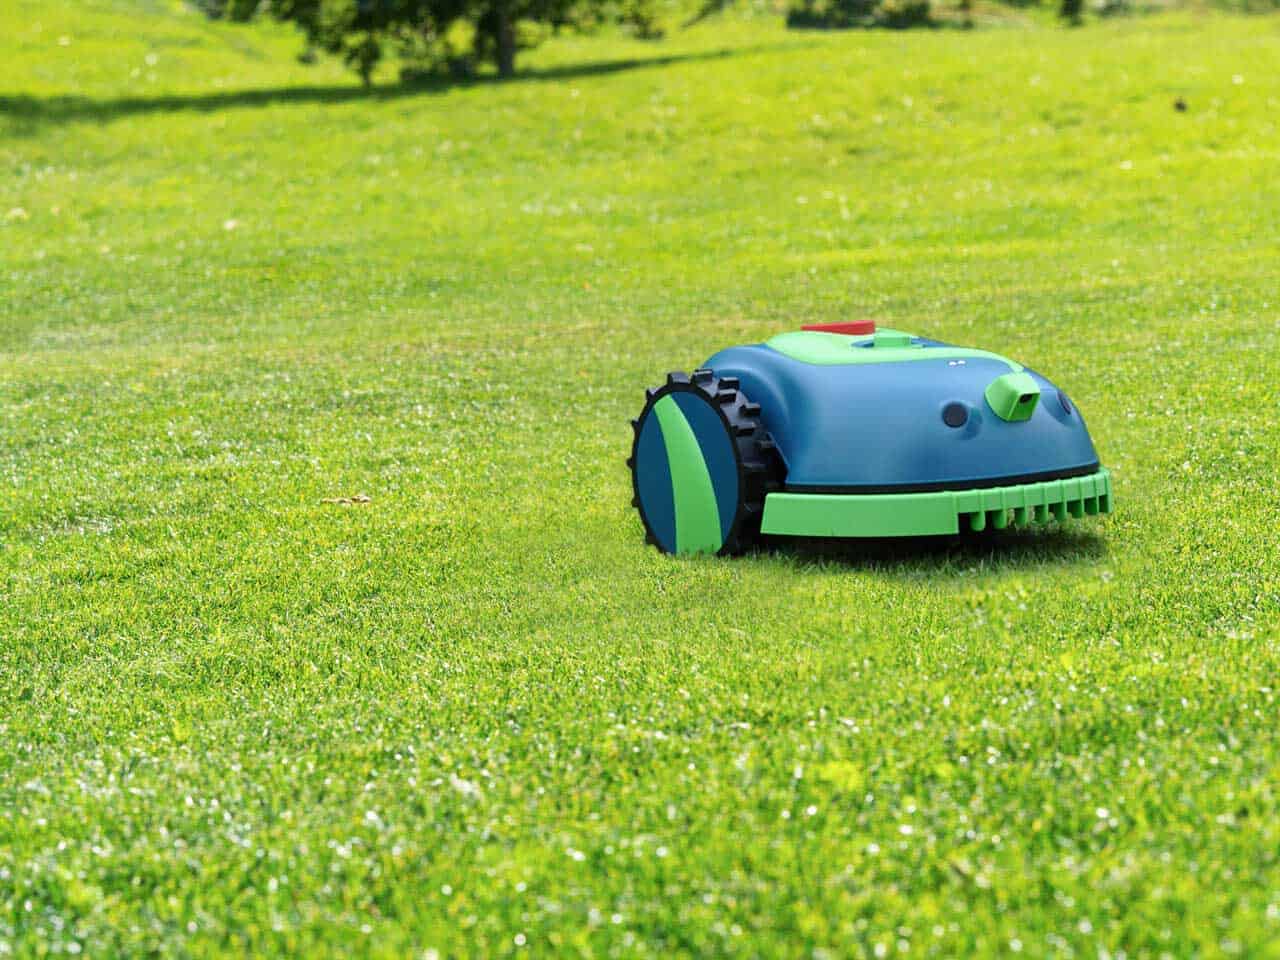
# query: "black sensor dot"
955, 414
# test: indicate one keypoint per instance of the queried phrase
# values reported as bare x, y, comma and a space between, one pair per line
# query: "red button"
844, 326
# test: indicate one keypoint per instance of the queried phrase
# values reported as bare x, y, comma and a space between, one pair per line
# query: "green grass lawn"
477, 715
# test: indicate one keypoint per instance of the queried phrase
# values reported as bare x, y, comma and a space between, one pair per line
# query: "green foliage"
476, 716
1247, 6
644, 17
451, 54
358, 30
842, 14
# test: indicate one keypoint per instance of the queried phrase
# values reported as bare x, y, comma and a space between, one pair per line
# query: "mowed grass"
477, 715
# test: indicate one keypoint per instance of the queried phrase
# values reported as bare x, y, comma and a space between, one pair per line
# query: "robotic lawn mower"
843, 430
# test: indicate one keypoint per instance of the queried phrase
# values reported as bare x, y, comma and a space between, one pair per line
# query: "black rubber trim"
951, 484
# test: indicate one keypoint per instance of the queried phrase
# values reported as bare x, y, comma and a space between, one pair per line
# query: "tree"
357, 30
846, 14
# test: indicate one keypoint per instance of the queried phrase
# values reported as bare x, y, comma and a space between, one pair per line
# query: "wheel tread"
761, 468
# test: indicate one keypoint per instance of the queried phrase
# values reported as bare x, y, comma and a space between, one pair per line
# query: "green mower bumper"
936, 513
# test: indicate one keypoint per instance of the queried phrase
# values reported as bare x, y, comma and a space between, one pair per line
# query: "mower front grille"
1029, 503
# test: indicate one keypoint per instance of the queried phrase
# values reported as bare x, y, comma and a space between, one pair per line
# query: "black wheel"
701, 465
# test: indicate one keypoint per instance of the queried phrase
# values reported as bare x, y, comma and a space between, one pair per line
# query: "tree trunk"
505, 37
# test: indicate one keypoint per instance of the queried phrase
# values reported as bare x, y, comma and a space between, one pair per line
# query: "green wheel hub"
699, 465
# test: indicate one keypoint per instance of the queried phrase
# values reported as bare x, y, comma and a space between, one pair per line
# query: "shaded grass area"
476, 714
27, 112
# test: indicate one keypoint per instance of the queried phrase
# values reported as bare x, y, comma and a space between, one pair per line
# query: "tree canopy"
423, 30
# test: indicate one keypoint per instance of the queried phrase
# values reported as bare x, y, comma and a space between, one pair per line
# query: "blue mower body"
858, 432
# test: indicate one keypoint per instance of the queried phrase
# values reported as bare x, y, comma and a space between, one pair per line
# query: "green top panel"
891, 338
890, 346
